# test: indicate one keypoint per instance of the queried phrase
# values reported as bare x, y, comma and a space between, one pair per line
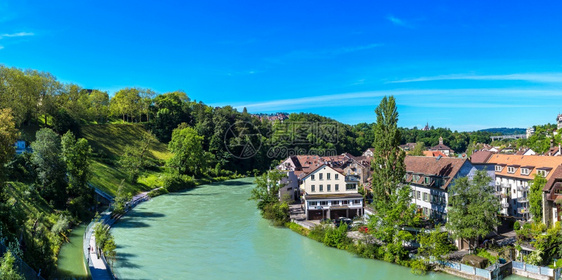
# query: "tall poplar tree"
388, 159
391, 199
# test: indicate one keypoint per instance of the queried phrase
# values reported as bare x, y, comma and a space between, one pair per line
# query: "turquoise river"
215, 232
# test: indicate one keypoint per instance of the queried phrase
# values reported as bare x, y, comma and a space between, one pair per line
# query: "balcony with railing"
505, 205
523, 210
506, 186
522, 188
523, 199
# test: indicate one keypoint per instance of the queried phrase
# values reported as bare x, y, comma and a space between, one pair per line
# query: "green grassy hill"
109, 141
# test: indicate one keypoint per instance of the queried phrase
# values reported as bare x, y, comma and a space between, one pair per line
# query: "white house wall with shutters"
328, 193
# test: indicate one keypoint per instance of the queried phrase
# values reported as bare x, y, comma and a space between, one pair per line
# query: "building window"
328, 188
324, 202
312, 203
350, 186
321, 188
337, 186
525, 171
320, 176
312, 177
345, 202
511, 169
415, 178
427, 180
425, 197
542, 172
358, 202
337, 176
499, 168
312, 189
418, 195
328, 176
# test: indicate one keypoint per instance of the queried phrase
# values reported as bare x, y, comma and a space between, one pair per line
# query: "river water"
215, 232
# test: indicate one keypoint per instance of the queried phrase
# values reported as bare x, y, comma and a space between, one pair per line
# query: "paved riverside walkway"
97, 266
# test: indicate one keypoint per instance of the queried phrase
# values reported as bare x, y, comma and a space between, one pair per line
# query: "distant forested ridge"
505, 130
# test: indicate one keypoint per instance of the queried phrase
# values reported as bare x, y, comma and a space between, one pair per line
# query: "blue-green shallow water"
215, 232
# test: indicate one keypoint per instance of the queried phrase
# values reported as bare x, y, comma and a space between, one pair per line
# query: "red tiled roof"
538, 162
433, 154
444, 167
480, 157
440, 147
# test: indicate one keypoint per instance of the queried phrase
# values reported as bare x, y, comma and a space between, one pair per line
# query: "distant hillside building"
442, 148
272, 117
531, 131
408, 147
559, 121
426, 128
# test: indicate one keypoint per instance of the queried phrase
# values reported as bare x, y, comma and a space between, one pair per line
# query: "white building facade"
329, 193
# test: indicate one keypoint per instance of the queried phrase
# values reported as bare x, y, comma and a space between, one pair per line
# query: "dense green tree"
76, 155
187, 148
63, 122
267, 188
170, 110
535, 197
266, 193
126, 103
99, 106
49, 166
8, 268
473, 208
8, 136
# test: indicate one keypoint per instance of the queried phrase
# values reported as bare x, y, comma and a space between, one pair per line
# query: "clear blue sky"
464, 66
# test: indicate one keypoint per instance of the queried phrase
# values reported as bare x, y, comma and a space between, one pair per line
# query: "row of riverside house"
329, 186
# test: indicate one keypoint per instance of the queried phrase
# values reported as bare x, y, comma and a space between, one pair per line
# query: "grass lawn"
108, 178
111, 139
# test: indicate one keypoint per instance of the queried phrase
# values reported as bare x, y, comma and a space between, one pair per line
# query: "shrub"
418, 267
298, 228
317, 233
176, 182
337, 237
277, 212
516, 225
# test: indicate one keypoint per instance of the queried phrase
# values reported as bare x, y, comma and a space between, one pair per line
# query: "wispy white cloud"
528, 77
18, 34
397, 21
414, 98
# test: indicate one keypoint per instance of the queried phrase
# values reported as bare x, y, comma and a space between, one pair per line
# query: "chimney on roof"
440, 140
